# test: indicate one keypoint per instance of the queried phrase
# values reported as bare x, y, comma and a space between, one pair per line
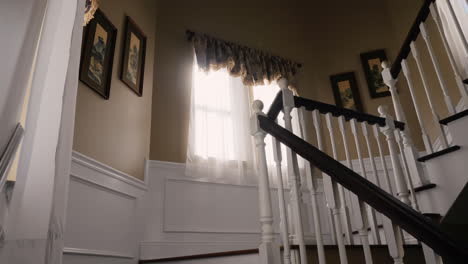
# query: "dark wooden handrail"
324, 108
412, 35
348, 114
400, 214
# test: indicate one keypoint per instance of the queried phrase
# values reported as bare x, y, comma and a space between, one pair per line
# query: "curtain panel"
254, 67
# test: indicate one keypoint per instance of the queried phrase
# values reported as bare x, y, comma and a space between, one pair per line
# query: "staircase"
404, 207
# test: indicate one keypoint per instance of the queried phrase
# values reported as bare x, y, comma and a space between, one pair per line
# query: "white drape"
220, 146
453, 38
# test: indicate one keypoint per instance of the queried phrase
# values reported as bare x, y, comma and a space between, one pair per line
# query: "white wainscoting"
104, 214
187, 216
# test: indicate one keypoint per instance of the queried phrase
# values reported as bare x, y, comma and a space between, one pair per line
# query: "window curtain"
460, 7
226, 79
254, 67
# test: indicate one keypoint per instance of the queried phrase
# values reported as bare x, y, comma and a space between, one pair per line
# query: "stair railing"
391, 74
8, 155
339, 181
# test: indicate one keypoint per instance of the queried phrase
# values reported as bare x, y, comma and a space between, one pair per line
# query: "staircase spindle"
334, 197
282, 202
375, 178
393, 233
406, 172
293, 171
269, 252
359, 212
409, 79
435, 62
318, 132
456, 72
371, 212
387, 181
458, 27
435, 116
312, 186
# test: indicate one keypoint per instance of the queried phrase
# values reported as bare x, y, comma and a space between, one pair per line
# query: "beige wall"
326, 36
116, 132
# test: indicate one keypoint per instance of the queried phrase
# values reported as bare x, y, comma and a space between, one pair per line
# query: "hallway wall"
117, 131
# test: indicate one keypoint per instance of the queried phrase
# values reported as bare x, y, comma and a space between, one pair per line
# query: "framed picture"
345, 91
372, 64
133, 57
97, 54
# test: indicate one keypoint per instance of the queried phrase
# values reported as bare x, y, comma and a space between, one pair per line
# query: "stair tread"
203, 256
465, 81
454, 117
439, 153
425, 187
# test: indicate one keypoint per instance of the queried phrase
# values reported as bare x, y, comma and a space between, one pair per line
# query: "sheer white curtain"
460, 8
219, 146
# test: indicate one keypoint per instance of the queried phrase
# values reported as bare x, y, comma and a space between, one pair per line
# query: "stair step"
380, 254
454, 117
465, 81
202, 256
425, 187
439, 153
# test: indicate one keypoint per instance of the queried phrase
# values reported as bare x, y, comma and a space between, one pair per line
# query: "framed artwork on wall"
372, 64
345, 91
133, 57
97, 54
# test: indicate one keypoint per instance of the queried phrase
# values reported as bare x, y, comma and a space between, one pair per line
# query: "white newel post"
269, 251
293, 172
402, 190
393, 233
411, 151
435, 62
456, 72
312, 186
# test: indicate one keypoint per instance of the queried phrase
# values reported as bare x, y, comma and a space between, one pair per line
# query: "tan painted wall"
116, 132
326, 36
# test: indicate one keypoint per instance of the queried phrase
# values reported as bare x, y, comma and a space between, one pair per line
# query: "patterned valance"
253, 66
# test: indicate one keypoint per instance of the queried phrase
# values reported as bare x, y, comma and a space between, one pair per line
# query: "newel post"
411, 152
268, 250
402, 190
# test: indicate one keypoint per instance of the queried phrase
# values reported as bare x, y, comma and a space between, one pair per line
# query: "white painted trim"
165, 164
211, 242
108, 171
92, 252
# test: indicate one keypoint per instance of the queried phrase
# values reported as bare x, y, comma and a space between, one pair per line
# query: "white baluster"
282, 202
409, 181
375, 179
389, 132
393, 233
293, 171
412, 153
435, 116
456, 72
268, 250
348, 227
435, 62
371, 212
407, 73
312, 186
458, 27
333, 196
318, 132
382, 159
360, 211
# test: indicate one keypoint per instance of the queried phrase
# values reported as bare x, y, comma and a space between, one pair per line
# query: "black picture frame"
97, 54
346, 83
372, 65
132, 69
